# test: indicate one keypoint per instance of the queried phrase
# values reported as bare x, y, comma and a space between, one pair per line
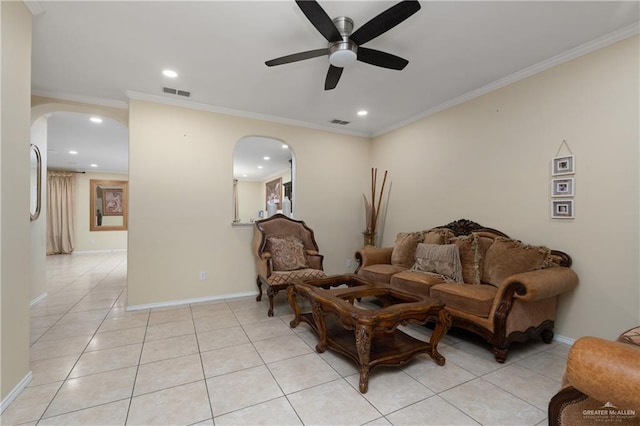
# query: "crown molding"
35, 7
559, 59
233, 112
83, 99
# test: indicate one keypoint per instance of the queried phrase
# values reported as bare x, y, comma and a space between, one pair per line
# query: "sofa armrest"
605, 370
373, 256
542, 283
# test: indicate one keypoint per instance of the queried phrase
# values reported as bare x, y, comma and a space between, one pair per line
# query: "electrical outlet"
349, 263
203, 275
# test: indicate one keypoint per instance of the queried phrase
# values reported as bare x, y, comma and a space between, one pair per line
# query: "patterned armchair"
286, 251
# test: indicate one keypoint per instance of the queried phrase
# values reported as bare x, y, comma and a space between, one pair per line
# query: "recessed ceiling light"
244, 175
170, 73
93, 165
285, 146
72, 152
362, 113
259, 167
96, 119
266, 158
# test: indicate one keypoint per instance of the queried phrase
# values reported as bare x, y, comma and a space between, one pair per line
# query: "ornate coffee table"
369, 337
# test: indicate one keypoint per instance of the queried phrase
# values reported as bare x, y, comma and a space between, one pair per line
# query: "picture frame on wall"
274, 192
112, 202
562, 187
562, 209
563, 165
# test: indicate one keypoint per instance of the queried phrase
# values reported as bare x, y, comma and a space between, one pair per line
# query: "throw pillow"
437, 236
507, 257
439, 259
287, 253
404, 249
470, 258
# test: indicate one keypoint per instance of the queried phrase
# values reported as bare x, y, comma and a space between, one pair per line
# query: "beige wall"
15, 89
95, 240
180, 200
489, 160
38, 228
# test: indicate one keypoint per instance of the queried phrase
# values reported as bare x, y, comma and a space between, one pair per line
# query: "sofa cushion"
404, 249
287, 253
415, 282
380, 272
472, 299
470, 257
439, 259
287, 277
507, 257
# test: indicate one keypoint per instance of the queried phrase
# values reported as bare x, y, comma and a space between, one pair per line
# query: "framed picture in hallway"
112, 202
274, 193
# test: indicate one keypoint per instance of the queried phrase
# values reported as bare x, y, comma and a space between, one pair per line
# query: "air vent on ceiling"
178, 92
341, 122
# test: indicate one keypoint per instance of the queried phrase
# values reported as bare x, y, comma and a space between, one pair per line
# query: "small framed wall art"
562, 187
563, 165
562, 209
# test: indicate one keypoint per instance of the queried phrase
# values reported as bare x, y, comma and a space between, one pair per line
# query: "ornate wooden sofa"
503, 290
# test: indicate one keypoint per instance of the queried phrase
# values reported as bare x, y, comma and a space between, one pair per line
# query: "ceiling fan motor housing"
345, 52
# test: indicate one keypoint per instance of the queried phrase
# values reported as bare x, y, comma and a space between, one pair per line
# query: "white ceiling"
106, 52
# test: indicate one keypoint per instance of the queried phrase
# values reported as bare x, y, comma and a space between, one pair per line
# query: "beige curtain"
61, 193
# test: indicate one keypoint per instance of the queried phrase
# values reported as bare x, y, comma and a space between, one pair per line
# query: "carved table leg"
318, 317
442, 326
259, 297
363, 345
271, 292
293, 302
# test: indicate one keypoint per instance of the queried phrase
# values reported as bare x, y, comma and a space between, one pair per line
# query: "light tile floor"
227, 363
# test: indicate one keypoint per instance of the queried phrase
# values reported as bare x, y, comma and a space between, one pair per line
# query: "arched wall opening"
264, 169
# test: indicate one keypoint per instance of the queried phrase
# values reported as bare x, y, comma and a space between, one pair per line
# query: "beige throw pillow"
507, 257
470, 258
287, 253
404, 249
439, 259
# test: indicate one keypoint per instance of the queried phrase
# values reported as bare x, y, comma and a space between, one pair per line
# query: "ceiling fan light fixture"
343, 53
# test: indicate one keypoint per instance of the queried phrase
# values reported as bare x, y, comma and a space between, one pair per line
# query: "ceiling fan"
345, 46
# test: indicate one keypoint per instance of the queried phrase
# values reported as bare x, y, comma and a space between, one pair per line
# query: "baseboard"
179, 302
37, 300
563, 339
16, 391
99, 251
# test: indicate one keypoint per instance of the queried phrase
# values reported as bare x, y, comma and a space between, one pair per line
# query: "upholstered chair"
285, 251
601, 384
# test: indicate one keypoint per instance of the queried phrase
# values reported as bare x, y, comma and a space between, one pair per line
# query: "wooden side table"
369, 337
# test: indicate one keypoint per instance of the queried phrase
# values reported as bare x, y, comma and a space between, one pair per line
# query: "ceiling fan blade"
295, 57
381, 59
319, 18
333, 76
385, 21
